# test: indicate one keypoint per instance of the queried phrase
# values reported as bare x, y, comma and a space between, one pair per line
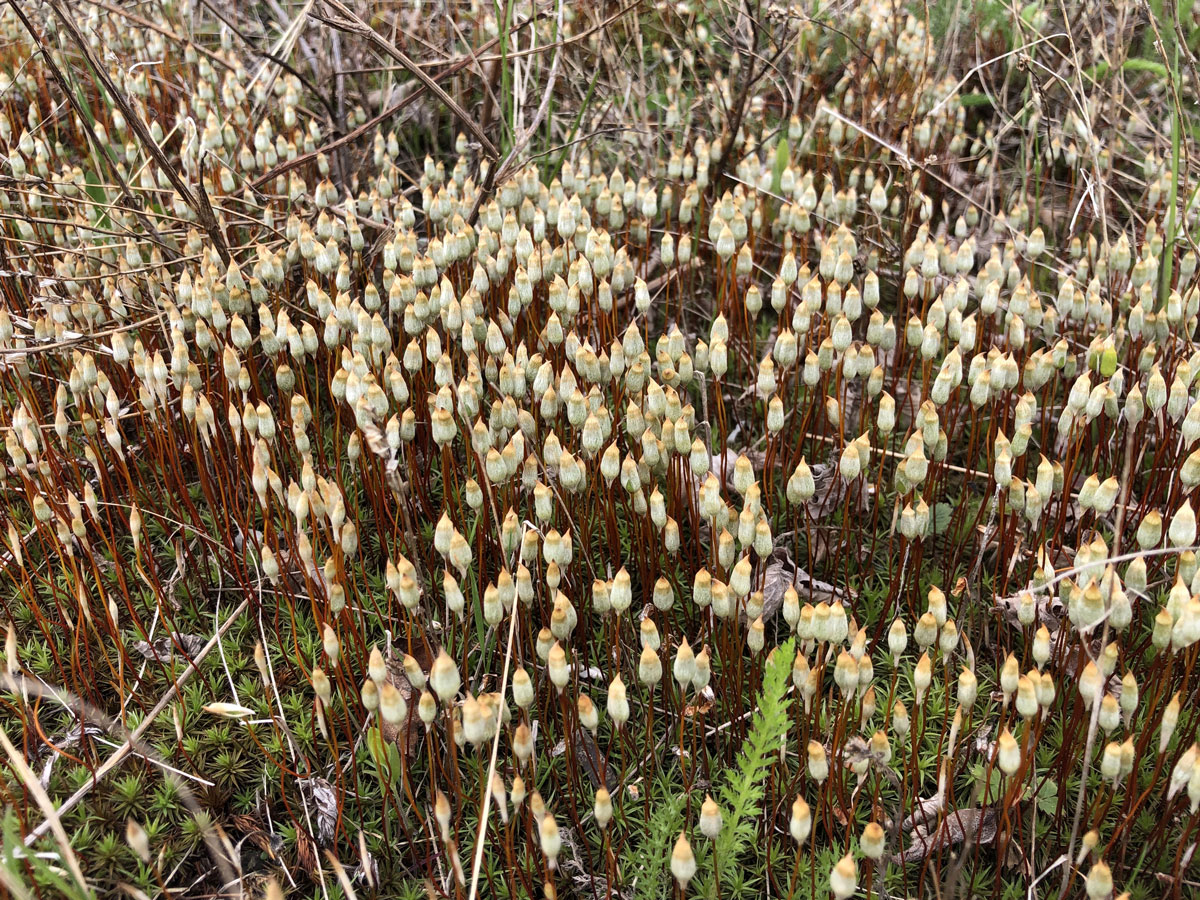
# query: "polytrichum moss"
775, 474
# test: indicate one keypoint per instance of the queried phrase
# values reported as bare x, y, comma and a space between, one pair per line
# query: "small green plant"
741, 795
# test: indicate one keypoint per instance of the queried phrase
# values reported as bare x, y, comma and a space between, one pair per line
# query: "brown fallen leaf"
593, 761
782, 573
321, 794
858, 750
306, 853
587, 754
702, 706
405, 734
926, 810
164, 648
252, 829
1050, 610
974, 825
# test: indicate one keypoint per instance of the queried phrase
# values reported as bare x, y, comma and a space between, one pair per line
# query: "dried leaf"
782, 573
306, 853
593, 761
164, 648
776, 580
703, 704
1050, 610
925, 812
376, 442
406, 734
320, 793
974, 825
857, 750
587, 754
252, 828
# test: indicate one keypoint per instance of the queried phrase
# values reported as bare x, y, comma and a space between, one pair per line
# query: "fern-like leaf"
648, 862
741, 796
